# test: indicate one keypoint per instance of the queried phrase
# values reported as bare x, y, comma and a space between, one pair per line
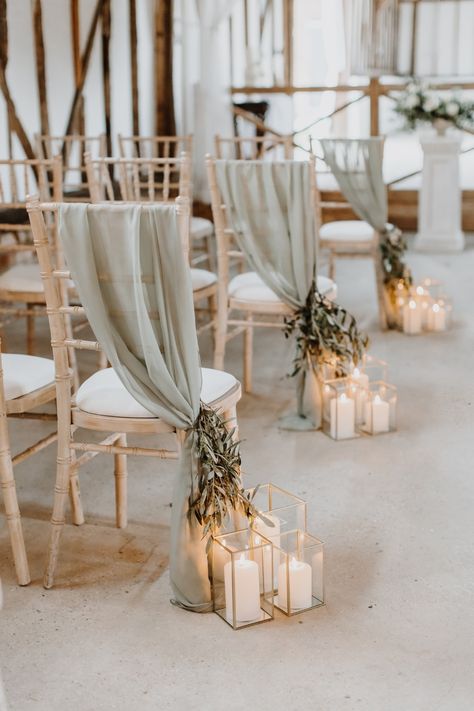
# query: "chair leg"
220, 332
103, 362
120, 472
380, 291
213, 317
75, 494
12, 510
230, 417
63, 478
58, 518
209, 247
30, 331
248, 354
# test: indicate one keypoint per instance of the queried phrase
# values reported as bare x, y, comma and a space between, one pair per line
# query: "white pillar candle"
219, 559
269, 565
362, 380
247, 590
342, 417
377, 415
300, 583
411, 318
437, 318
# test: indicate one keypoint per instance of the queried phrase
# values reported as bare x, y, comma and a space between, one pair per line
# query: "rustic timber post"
106, 25
84, 67
76, 61
40, 65
164, 101
374, 92
13, 119
132, 11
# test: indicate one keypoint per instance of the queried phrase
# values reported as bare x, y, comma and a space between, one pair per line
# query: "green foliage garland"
218, 489
324, 330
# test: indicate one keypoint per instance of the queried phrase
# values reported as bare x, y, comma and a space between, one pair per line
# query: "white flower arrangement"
420, 103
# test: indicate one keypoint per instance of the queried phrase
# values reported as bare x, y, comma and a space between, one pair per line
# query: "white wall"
21, 71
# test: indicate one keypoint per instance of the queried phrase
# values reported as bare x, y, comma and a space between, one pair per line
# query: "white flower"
412, 87
452, 108
431, 103
411, 101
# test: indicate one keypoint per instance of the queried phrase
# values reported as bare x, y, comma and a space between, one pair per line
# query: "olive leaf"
217, 490
325, 332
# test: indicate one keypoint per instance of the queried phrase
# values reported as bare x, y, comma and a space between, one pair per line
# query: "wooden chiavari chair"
246, 295
350, 239
102, 403
268, 146
20, 282
26, 383
152, 180
72, 149
201, 230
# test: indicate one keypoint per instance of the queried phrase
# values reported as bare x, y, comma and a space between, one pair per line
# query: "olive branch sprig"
324, 331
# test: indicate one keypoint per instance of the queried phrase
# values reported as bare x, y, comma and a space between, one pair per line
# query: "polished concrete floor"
396, 513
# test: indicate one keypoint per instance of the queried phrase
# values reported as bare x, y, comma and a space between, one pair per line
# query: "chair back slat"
72, 149
154, 146
139, 179
269, 146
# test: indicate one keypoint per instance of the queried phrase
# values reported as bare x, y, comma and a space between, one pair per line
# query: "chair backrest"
154, 146
56, 281
72, 149
269, 147
227, 248
23, 177
139, 179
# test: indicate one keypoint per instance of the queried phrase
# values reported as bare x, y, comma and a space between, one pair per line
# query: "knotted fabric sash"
134, 283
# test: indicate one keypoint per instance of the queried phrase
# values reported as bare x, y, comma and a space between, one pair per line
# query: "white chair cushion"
250, 287
25, 277
104, 394
347, 230
23, 374
200, 227
22, 277
202, 278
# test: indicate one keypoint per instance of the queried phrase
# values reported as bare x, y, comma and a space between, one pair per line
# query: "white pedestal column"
439, 208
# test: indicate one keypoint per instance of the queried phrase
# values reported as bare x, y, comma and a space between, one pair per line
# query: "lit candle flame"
356, 373
412, 304
436, 308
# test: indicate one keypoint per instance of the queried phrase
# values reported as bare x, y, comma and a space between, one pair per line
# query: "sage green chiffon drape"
132, 279
357, 165
270, 209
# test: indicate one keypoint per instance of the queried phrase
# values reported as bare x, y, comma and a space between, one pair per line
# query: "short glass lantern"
432, 287
284, 510
439, 313
412, 315
380, 408
341, 407
374, 368
300, 577
242, 578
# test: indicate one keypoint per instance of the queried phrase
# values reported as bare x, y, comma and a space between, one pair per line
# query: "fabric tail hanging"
357, 165
142, 314
271, 213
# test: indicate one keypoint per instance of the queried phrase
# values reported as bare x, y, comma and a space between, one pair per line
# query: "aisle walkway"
396, 513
